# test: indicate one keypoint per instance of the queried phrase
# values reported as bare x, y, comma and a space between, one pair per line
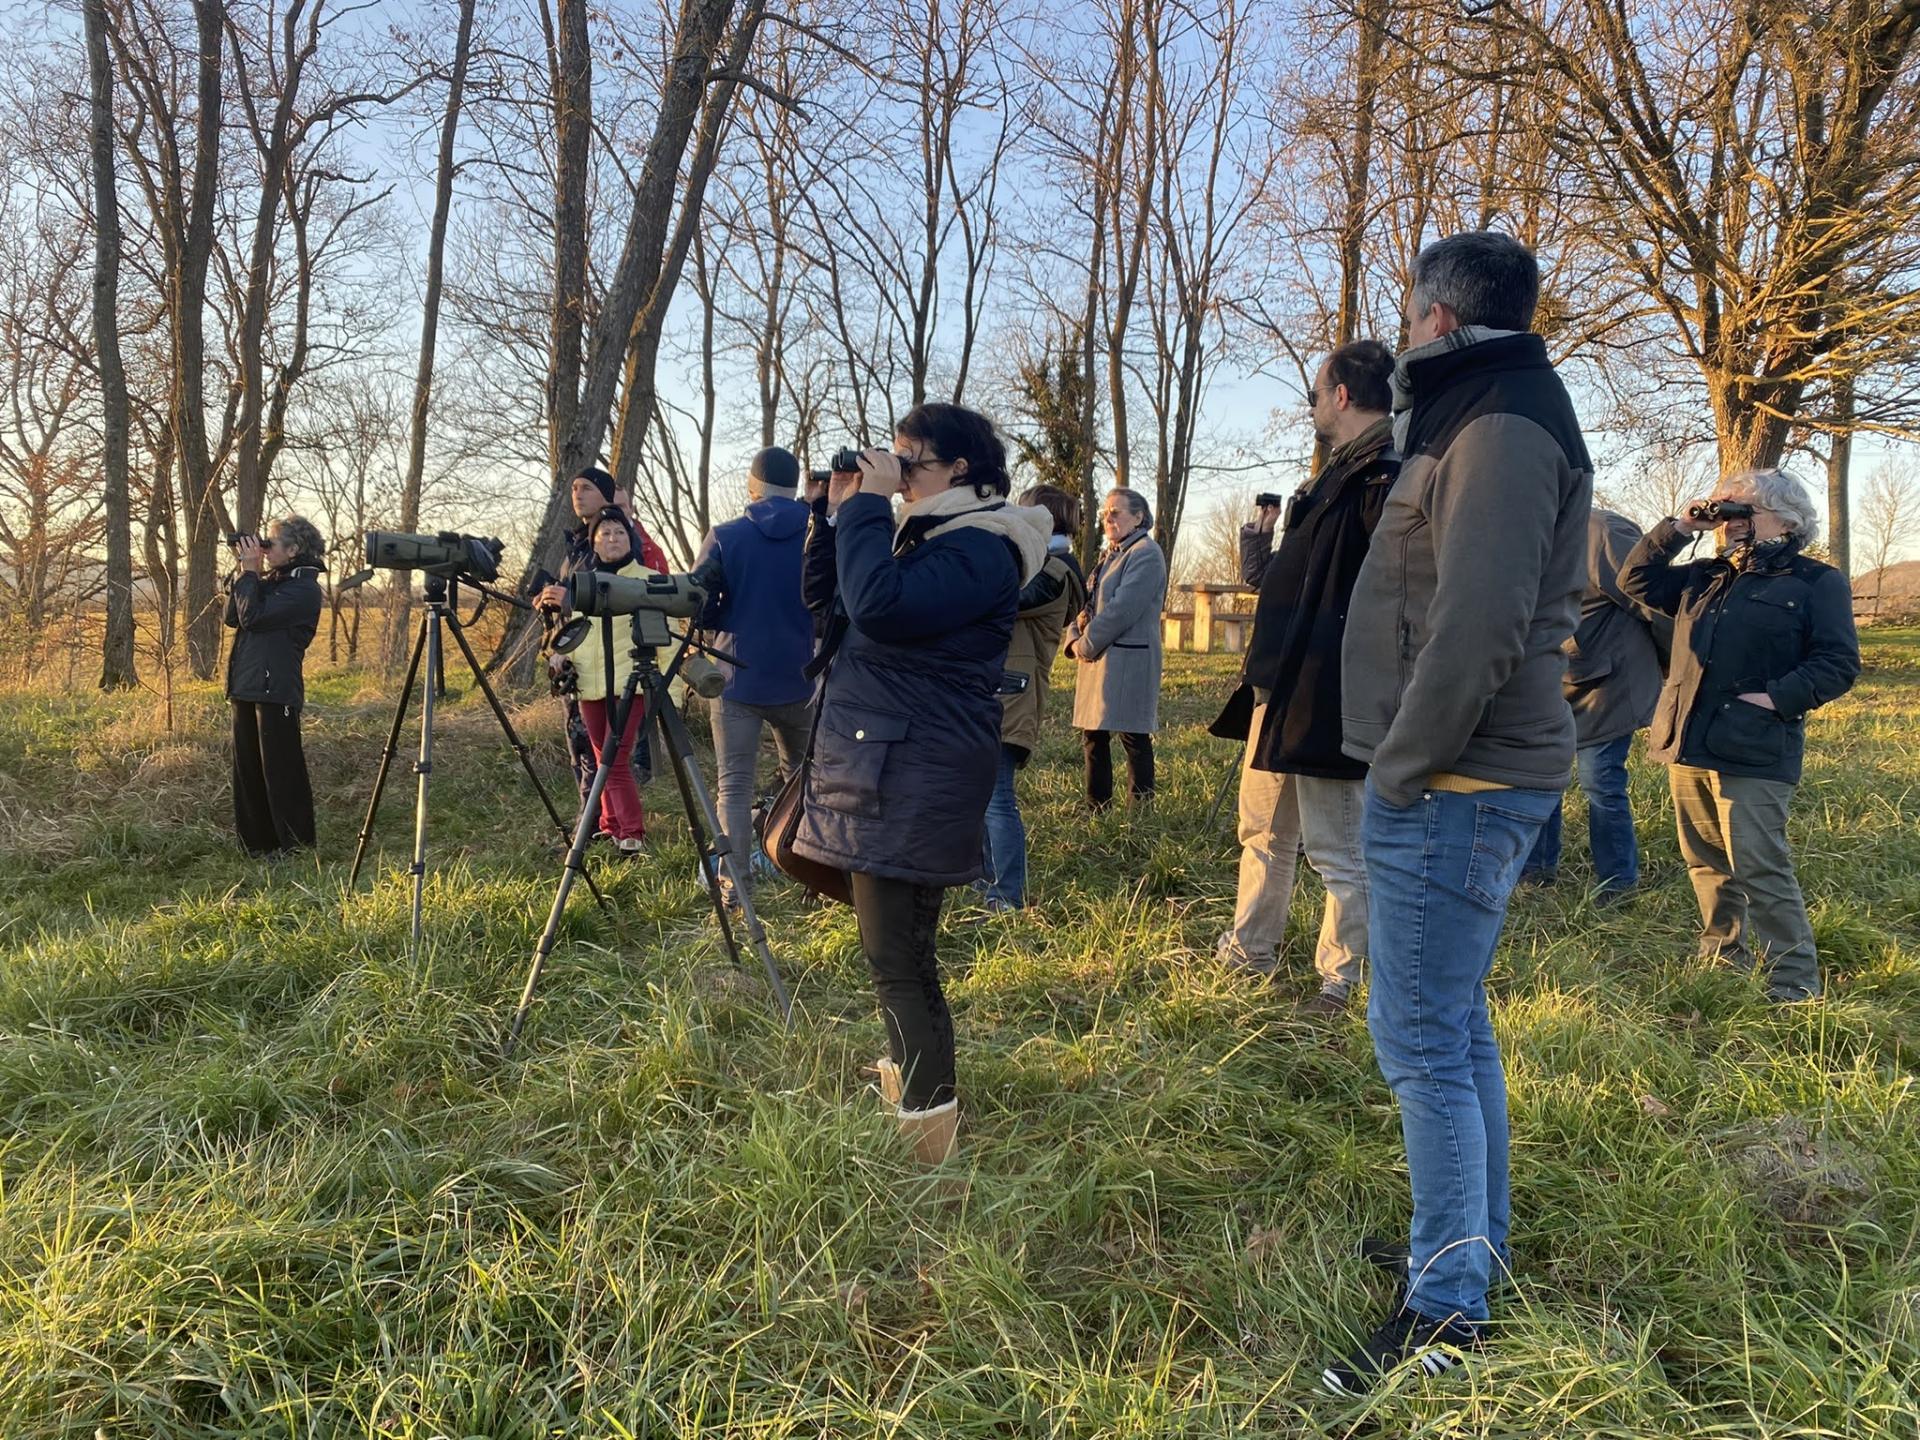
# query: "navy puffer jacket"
275, 616
909, 729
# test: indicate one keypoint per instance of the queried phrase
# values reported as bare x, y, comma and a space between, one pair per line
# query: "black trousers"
272, 797
898, 924
1099, 752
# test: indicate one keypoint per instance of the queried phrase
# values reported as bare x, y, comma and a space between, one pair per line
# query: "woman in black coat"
908, 740
273, 606
1762, 634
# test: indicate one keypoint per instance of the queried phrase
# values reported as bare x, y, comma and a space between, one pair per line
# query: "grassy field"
261, 1174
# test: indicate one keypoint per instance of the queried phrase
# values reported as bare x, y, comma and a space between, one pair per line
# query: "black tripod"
443, 596
715, 850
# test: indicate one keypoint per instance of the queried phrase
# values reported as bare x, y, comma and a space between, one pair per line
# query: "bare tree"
1749, 168
181, 185
395, 641
708, 63
1205, 184
49, 504
116, 655
1891, 521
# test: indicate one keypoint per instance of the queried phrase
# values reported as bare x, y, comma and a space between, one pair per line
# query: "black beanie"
777, 469
602, 481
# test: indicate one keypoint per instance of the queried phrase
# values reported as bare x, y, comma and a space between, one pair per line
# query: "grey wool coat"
1116, 640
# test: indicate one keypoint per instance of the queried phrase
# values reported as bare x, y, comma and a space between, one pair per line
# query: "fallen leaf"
1261, 1241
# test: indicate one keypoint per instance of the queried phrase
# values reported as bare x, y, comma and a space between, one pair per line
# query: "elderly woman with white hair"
1763, 633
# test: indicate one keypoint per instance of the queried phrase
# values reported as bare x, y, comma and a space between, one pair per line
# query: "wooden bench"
1234, 632
1180, 630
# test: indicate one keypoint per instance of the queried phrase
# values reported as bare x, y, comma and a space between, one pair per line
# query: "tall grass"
261, 1173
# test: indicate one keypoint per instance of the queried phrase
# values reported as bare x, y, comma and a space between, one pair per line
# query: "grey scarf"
1402, 381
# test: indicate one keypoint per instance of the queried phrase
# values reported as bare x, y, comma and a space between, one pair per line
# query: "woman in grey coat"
1116, 639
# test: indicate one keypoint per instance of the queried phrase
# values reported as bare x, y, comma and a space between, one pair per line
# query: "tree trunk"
399, 619
1839, 462
626, 341
1089, 538
116, 659
186, 304
1371, 19
572, 133
249, 474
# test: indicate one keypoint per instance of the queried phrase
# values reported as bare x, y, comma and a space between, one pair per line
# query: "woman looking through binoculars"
1762, 634
273, 606
908, 745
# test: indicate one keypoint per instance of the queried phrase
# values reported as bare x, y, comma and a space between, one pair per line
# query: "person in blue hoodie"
752, 569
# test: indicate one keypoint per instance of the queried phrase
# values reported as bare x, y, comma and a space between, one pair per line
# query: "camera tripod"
713, 847
443, 594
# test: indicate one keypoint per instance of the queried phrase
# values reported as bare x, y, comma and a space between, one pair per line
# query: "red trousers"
620, 812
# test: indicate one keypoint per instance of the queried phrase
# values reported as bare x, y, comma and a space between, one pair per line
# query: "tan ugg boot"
934, 1134
889, 1074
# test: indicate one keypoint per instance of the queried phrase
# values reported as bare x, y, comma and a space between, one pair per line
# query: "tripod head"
649, 634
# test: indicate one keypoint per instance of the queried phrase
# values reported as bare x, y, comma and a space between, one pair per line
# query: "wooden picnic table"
1234, 627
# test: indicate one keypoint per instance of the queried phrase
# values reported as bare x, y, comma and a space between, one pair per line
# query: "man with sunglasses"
1297, 787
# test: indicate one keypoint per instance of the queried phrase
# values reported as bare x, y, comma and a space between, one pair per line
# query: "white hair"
1781, 492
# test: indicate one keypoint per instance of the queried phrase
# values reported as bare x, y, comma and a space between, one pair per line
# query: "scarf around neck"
1376, 436
1761, 554
1402, 380
1027, 528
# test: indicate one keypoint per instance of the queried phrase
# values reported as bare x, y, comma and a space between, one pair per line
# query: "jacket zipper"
1406, 630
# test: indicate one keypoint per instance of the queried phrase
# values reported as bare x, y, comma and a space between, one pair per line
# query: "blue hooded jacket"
756, 605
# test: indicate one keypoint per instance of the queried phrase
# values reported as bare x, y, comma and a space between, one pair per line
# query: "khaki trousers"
1733, 836
1278, 815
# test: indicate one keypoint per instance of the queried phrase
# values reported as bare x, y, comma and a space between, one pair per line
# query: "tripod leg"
423, 767
1220, 795
393, 746
519, 748
709, 839
576, 865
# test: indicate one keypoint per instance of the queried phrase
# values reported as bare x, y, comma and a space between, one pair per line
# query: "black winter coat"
1616, 654
276, 616
909, 730
1300, 618
1782, 625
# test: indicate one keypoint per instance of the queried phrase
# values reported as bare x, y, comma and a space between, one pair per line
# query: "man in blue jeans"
1616, 661
752, 569
1450, 677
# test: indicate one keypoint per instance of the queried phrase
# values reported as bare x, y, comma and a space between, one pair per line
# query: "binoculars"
1714, 512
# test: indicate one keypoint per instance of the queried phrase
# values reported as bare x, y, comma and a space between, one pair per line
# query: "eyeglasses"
909, 464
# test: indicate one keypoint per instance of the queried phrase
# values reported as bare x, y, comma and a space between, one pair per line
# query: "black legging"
898, 923
1099, 752
272, 797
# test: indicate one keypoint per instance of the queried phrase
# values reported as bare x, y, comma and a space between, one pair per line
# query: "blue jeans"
1602, 772
1004, 853
1438, 875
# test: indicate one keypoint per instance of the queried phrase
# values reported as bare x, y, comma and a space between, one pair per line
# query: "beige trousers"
1279, 815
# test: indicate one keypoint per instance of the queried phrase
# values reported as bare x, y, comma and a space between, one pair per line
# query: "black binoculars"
1715, 512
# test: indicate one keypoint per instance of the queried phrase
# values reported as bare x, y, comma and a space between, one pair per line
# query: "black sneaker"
1405, 1336
1390, 1255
